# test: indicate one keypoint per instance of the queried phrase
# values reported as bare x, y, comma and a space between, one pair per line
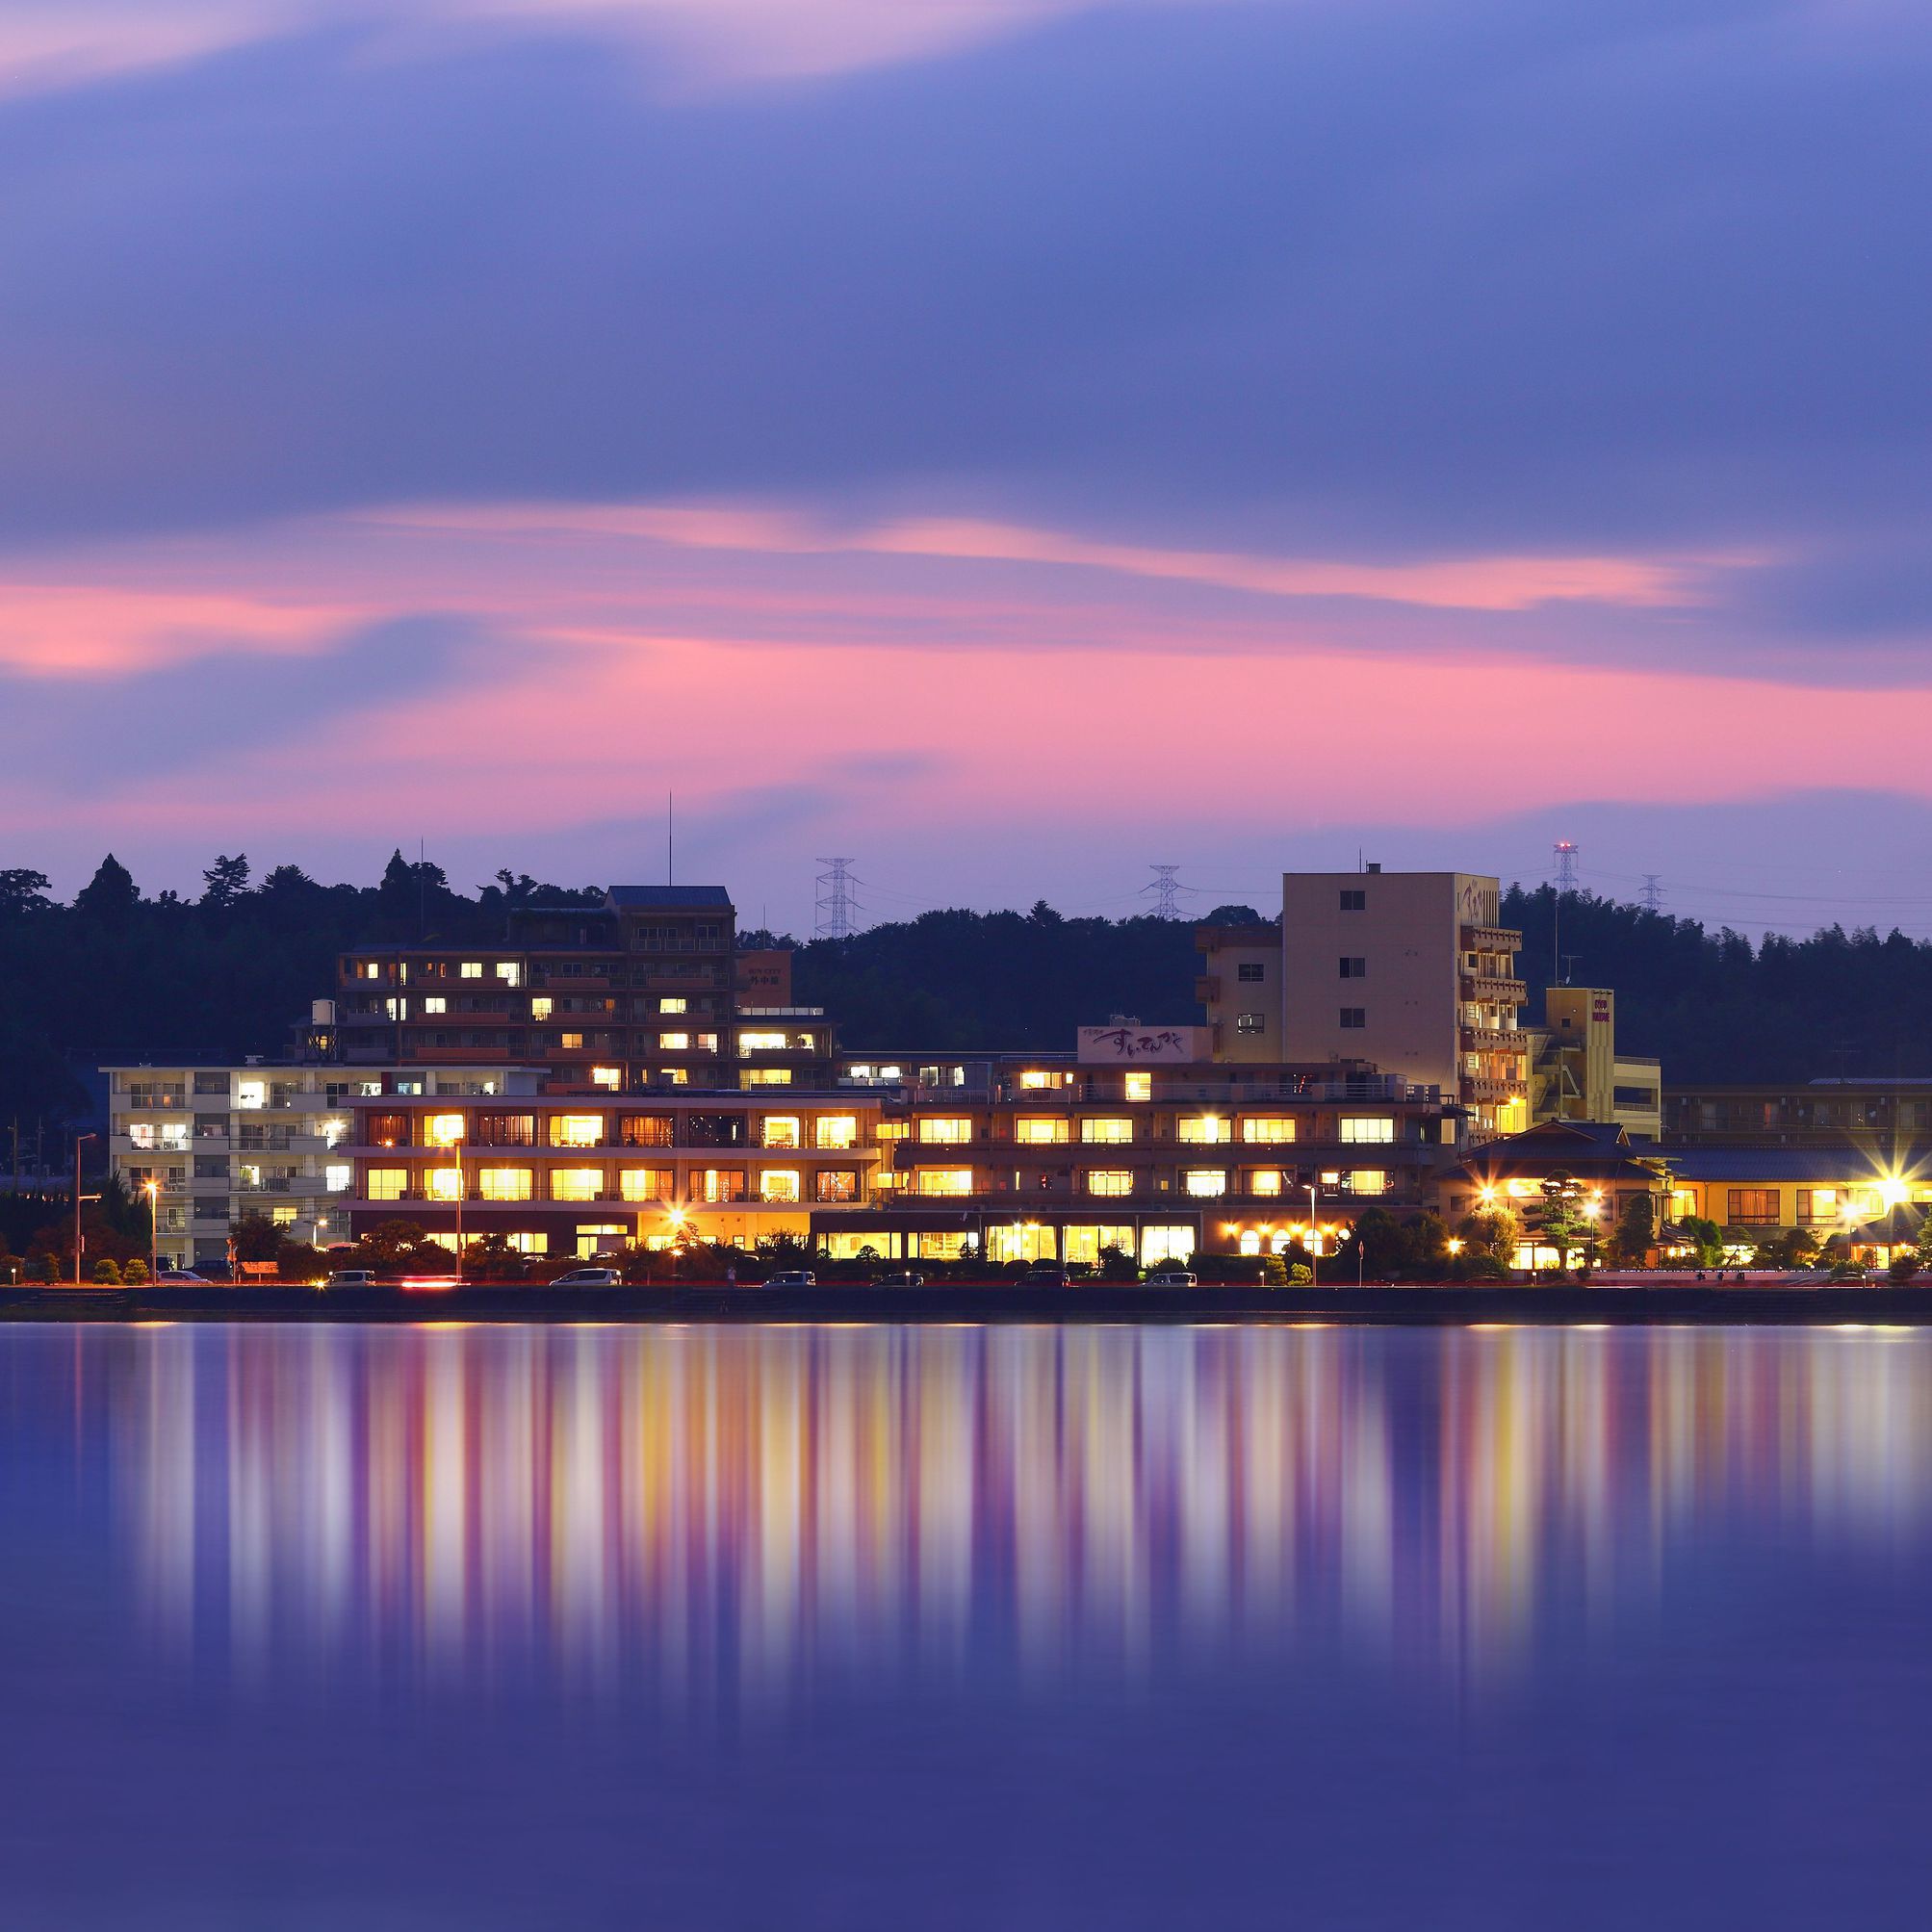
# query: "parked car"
792, 1277
905, 1279
1172, 1277
350, 1277
1045, 1275
180, 1277
588, 1277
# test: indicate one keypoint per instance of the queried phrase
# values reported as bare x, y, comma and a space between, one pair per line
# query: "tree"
397, 1244
256, 1237
1234, 915
107, 1271
1558, 1220
1636, 1229
109, 894
226, 882
1493, 1232
23, 892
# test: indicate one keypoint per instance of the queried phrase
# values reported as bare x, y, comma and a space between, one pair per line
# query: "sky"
1008, 443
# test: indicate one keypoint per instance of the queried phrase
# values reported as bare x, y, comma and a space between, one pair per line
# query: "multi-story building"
1886, 1114
1577, 1072
1412, 971
920, 1156
218, 1142
643, 992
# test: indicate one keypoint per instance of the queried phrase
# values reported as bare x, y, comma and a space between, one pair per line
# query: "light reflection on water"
740, 1512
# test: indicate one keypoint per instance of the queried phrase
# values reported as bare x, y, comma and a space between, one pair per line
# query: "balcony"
1491, 940
1494, 991
1481, 1088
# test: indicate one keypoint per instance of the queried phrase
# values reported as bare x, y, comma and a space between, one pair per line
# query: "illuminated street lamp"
1314, 1239
152, 1190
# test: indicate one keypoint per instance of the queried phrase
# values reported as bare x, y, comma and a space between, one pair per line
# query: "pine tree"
227, 880
109, 894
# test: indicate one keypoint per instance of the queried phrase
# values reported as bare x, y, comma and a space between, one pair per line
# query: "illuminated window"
936, 1246
674, 1076
541, 1007
944, 1180
576, 1130
675, 1042
1108, 1181
781, 1130
436, 1003
1362, 1131
368, 969
1750, 1207
444, 1130
606, 1239
575, 1183
1034, 1080
395, 1009
337, 1176
945, 1130
674, 1003
571, 1043
252, 1093
1204, 1181
445, 1183
385, 1183
510, 972
606, 1077
646, 1184
282, 1217
470, 969
765, 1077
761, 1042
503, 1183
1139, 1087
1264, 1181
1166, 1244
1205, 1130
778, 1184
1368, 1180
706, 1043
1267, 1130
892, 1131
1042, 1133
645, 1130
835, 1184
716, 1184
835, 1131
1106, 1132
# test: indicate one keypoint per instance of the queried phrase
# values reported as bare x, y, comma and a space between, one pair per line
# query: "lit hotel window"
576, 1130
946, 1130
1139, 1087
646, 1183
674, 1043
1205, 1130
445, 1183
1109, 1181
606, 1077
1266, 1131
503, 1183
836, 1130
541, 1006
445, 1130
508, 971
1362, 1131
1264, 1181
1106, 1132
778, 1184
575, 1183
1204, 1181
385, 1183
766, 1076
436, 1003
571, 1043
673, 1076
781, 1130
761, 1042
1042, 1133
471, 969
1368, 1180
945, 1180
673, 1003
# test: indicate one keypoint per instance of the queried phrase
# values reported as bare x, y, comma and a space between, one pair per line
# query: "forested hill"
116, 975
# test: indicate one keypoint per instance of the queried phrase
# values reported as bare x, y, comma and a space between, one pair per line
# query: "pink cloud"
78, 630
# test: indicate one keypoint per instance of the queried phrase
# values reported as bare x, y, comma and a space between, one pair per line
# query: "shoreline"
1698, 1303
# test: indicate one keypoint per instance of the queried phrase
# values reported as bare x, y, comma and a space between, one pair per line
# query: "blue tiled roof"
651, 897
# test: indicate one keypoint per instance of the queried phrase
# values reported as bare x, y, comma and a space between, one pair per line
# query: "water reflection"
736, 1511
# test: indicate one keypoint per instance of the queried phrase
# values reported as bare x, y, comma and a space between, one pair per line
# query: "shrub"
1274, 1272
1300, 1274
46, 1268
135, 1274
107, 1271
1903, 1268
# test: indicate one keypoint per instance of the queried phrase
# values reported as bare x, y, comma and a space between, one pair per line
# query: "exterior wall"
1637, 1087
1438, 996
1797, 1113
1240, 992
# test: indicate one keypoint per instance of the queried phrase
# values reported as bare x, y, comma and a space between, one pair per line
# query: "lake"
960, 1625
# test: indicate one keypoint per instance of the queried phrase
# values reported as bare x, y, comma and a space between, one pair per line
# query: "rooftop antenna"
1569, 965
1566, 882
670, 848
1166, 890
834, 904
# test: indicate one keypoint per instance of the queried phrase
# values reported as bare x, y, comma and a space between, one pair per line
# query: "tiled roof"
629, 898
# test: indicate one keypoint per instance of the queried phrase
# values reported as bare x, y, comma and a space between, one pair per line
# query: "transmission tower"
1566, 864
835, 909
1167, 892
1652, 894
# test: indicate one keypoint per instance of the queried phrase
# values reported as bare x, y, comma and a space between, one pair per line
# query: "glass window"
575, 1183
781, 1130
645, 1130
835, 1184
944, 1131
1042, 1133
647, 1184
337, 1176
715, 1184
445, 1183
1263, 1180
1204, 1181
385, 1183
1368, 1180
1203, 1130
1166, 1244
471, 969
1250, 973
779, 1184
761, 1042
510, 972
252, 1093
1109, 1181
765, 1077
571, 1043
674, 1003
506, 1130
673, 1076
503, 1183
1268, 1130
1354, 901
606, 1077
943, 1180
1361, 1130
542, 1007
436, 1003
836, 1130
1250, 1023
1105, 1132
1352, 967
675, 1042
1751, 1206
576, 1130
1139, 1087
1354, 1016
445, 1130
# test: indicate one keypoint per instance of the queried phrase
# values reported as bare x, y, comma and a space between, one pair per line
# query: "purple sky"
1008, 443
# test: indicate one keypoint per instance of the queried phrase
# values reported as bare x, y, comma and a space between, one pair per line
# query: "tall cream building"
1411, 970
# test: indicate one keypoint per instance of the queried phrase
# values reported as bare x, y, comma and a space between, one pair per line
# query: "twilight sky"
1006, 440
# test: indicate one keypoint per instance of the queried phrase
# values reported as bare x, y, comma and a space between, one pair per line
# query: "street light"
78, 1198
1314, 1241
151, 1187
458, 1144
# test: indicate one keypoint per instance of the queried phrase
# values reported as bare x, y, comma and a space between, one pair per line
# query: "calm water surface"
962, 1627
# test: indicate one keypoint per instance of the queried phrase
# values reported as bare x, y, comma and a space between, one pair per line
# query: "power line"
834, 907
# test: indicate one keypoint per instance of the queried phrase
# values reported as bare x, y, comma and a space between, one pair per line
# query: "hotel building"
1412, 971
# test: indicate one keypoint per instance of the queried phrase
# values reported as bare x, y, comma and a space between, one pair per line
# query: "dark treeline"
115, 974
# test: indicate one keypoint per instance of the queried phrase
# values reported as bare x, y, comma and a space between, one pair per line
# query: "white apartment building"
220, 1142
